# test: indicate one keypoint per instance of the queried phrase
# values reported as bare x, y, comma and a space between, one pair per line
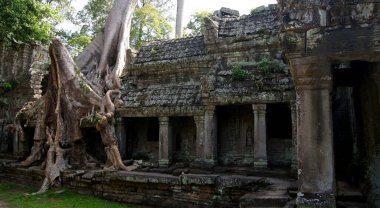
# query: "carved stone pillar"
313, 83
200, 136
294, 165
165, 143
260, 136
121, 136
16, 142
210, 135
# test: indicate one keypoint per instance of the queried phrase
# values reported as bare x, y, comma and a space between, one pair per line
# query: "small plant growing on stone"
257, 9
253, 11
153, 51
7, 86
265, 66
238, 74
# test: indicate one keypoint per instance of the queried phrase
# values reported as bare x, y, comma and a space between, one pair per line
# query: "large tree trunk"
105, 56
178, 23
70, 97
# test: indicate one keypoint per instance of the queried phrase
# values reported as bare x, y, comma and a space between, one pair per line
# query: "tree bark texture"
71, 95
179, 17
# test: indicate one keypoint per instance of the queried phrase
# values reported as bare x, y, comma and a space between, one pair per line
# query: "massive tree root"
70, 97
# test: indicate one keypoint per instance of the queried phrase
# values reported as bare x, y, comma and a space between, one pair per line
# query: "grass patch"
14, 196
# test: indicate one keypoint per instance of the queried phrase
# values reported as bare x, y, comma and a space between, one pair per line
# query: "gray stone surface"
163, 96
262, 22
4, 205
171, 49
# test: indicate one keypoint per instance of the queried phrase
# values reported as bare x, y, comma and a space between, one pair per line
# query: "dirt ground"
3, 205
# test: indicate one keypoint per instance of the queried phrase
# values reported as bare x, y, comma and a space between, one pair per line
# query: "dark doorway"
94, 145
279, 135
235, 135
142, 138
184, 138
28, 144
351, 85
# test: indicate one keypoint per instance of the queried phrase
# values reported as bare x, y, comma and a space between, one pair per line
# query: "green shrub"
7, 86
265, 66
238, 74
253, 11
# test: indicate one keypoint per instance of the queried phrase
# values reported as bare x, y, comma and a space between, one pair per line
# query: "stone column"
294, 165
313, 82
16, 144
165, 143
260, 136
200, 134
210, 136
121, 136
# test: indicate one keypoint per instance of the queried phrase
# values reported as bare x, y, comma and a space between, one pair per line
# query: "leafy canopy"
151, 21
196, 24
149, 24
29, 21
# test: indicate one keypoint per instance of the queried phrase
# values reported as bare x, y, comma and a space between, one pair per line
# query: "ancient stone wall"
238, 61
162, 190
188, 72
21, 74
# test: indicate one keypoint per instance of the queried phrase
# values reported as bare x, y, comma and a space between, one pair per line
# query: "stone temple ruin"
279, 108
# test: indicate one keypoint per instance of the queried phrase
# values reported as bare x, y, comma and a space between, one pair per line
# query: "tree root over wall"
71, 95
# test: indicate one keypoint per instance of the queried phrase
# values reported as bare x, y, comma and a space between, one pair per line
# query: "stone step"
341, 204
278, 198
9, 156
351, 198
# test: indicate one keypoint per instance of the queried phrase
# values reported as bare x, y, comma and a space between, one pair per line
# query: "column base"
315, 200
260, 163
203, 163
164, 163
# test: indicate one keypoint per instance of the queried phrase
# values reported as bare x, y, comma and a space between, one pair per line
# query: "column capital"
119, 120
198, 119
313, 72
259, 107
210, 108
163, 120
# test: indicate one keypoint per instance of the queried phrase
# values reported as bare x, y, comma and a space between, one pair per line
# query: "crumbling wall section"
21, 74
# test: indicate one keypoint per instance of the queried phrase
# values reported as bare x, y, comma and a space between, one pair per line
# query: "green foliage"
78, 42
196, 24
265, 66
153, 51
257, 9
7, 86
13, 194
254, 11
152, 20
238, 74
28, 21
93, 16
150, 23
